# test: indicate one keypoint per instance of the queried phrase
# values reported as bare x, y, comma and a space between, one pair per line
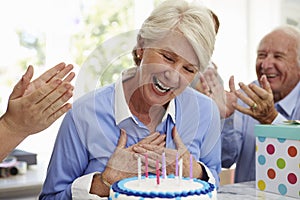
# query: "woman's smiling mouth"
159, 86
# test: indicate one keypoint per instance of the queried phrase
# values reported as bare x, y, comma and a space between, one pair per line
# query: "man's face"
277, 59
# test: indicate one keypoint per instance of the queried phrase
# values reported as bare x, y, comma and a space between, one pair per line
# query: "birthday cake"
169, 188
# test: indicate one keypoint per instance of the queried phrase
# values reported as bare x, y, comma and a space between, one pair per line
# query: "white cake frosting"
169, 188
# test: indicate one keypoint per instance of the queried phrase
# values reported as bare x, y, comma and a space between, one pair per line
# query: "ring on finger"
254, 106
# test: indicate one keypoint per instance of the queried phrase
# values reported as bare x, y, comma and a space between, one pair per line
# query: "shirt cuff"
81, 188
211, 178
279, 119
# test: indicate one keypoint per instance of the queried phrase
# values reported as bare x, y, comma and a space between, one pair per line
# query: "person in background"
150, 109
273, 98
211, 84
34, 106
200, 82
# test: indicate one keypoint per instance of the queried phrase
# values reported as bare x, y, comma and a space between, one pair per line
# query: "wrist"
98, 187
8, 128
270, 118
104, 180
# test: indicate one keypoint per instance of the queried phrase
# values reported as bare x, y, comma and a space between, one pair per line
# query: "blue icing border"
119, 188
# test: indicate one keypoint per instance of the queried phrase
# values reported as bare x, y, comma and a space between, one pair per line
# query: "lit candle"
164, 171
146, 165
180, 169
191, 166
176, 165
139, 169
157, 172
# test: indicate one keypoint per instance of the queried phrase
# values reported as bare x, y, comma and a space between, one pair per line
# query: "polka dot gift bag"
278, 159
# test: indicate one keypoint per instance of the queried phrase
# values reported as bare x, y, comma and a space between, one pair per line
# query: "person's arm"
232, 139
34, 106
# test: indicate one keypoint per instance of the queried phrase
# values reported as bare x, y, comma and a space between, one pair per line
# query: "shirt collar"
122, 111
289, 102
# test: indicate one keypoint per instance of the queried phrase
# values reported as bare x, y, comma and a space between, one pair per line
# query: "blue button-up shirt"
90, 131
238, 139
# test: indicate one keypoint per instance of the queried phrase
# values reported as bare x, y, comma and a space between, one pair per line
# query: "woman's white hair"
191, 19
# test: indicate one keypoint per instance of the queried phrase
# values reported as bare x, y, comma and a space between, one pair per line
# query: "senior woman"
150, 109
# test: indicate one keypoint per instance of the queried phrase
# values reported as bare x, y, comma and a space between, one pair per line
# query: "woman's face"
167, 67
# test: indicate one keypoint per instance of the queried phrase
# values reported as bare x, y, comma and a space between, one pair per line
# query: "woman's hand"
155, 151
123, 162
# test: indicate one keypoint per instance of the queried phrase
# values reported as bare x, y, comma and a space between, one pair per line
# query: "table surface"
247, 190
24, 186
28, 186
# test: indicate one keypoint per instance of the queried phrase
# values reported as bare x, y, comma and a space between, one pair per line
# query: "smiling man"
273, 98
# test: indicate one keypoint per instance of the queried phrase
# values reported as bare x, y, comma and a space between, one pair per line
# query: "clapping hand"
260, 101
212, 86
33, 106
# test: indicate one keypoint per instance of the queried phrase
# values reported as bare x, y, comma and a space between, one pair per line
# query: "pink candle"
157, 173
164, 171
191, 166
176, 167
146, 165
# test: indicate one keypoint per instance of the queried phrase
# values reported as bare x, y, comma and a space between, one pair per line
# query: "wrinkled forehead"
279, 42
176, 42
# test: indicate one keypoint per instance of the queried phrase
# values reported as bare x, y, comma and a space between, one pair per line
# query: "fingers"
255, 94
41, 93
59, 71
250, 97
70, 77
247, 98
28, 75
231, 84
211, 79
155, 139
205, 88
259, 99
21, 86
122, 139
265, 84
53, 101
61, 74
145, 148
242, 109
177, 140
58, 113
49, 74
260, 94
